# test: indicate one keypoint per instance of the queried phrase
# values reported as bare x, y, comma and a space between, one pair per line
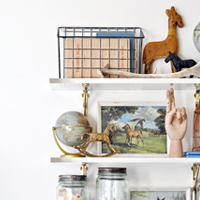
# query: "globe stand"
66, 154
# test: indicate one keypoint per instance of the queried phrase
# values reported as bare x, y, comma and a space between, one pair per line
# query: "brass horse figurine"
103, 137
154, 50
130, 134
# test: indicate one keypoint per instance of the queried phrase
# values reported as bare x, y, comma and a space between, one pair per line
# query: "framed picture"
139, 128
160, 194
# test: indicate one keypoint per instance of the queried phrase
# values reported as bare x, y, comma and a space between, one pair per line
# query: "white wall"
29, 108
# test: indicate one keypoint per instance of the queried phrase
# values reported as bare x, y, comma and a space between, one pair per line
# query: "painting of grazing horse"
179, 63
154, 50
132, 123
103, 137
160, 199
130, 134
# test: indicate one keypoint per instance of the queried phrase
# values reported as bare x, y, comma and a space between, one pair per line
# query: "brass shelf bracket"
195, 169
84, 168
197, 94
85, 96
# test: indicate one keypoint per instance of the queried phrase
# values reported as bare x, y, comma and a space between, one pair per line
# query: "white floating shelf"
123, 83
125, 160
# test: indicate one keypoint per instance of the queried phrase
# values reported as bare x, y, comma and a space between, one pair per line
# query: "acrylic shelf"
124, 83
156, 160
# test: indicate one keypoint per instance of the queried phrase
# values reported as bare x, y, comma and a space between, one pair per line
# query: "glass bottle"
72, 187
112, 184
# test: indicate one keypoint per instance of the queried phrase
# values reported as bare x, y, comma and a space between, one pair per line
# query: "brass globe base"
66, 154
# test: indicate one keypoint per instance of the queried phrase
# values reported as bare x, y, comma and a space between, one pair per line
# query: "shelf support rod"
197, 94
84, 168
85, 96
195, 169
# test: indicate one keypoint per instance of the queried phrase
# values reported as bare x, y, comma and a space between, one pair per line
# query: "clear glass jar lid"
72, 178
112, 170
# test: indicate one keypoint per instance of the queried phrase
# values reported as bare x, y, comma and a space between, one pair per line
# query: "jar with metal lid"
112, 184
72, 187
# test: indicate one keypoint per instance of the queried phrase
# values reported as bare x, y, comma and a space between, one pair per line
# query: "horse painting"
154, 50
178, 63
132, 123
130, 134
160, 199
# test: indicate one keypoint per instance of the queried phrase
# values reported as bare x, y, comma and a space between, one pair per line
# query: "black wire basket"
84, 50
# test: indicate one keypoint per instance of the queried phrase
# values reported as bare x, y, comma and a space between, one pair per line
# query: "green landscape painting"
158, 195
138, 129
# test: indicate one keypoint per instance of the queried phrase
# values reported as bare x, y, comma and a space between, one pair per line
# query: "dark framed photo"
160, 194
139, 128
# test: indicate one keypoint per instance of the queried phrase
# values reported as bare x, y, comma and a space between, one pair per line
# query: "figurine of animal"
154, 50
103, 137
178, 63
130, 134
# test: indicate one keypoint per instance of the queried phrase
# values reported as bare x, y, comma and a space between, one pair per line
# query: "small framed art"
139, 128
160, 194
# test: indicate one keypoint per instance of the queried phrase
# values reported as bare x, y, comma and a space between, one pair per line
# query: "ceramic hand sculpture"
175, 125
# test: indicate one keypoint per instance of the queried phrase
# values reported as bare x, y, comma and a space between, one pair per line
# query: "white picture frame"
160, 192
127, 104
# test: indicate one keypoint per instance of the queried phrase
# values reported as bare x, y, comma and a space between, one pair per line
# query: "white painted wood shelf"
126, 160
124, 83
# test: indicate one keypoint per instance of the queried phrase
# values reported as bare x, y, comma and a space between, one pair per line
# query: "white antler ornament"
186, 72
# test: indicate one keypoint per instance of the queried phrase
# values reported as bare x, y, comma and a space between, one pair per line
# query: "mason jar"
72, 187
112, 184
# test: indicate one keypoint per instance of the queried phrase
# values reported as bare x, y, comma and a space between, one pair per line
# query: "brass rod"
85, 96
195, 169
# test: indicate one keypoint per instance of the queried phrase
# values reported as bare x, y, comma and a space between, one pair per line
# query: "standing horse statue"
130, 134
154, 50
103, 137
178, 63
132, 123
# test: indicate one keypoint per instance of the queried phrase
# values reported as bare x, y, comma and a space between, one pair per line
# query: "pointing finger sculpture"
175, 124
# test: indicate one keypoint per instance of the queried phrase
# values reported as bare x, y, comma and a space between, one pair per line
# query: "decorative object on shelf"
72, 187
175, 124
178, 63
196, 37
103, 137
154, 50
160, 193
84, 50
112, 183
70, 126
135, 114
191, 154
196, 130
197, 95
186, 72
195, 169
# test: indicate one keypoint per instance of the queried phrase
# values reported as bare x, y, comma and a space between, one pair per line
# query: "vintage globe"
196, 36
70, 126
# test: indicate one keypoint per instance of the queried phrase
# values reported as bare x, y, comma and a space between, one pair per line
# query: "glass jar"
112, 184
72, 187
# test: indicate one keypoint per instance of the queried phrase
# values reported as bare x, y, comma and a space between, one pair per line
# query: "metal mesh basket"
84, 50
